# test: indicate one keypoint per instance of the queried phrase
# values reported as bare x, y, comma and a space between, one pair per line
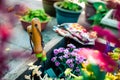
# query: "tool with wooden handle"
34, 32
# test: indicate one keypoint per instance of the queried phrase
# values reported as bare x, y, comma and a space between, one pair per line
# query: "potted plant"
49, 8
67, 11
39, 13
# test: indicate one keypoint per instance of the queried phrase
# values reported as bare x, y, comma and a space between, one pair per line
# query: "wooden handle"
36, 35
34, 31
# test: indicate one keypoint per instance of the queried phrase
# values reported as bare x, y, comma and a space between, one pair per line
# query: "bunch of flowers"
68, 58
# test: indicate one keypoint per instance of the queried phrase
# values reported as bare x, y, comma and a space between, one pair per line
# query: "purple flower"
77, 69
61, 57
56, 51
69, 61
79, 59
66, 51
75, 50
73, 53
71, 46
61, 50
53, 59
71, 65
57, 63
66, 56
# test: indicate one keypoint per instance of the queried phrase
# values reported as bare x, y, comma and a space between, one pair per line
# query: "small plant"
70, 5
36, 14
101, 10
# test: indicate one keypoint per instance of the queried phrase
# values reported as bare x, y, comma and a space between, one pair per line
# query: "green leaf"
100, 7
83, 1
39, 13
70, 6
85, 75
95, 17
98, 75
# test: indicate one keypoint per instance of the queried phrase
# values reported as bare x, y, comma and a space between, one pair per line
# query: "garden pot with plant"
49, 8
40, 14
67, 11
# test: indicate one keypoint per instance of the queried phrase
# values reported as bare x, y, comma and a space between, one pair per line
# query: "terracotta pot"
25, 24
48, 7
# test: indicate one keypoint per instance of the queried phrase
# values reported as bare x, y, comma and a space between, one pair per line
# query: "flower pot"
26, 24
48, 7
66, 16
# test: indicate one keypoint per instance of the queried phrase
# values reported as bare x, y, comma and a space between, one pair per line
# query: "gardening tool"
34, 32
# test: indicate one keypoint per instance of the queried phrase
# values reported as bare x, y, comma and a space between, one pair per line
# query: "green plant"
36, 14
101, 10
70, 5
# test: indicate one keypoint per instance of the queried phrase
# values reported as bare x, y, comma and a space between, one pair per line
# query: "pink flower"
107, 34
71, 46
4, 32
96, 57
53, 59
61, 50
57, 63
119, 29
56, 51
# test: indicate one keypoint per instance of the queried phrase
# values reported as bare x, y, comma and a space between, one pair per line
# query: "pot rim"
65, 10
30, 22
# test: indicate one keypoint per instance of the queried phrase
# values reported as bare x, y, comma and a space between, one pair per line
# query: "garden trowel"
36, 41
